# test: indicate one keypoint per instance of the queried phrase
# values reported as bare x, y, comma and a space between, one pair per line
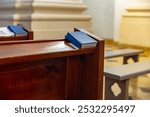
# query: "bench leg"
135, 58
134, 86
109, 91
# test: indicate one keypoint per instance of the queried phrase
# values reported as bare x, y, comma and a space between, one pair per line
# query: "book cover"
80, 39
18, 30
5, 32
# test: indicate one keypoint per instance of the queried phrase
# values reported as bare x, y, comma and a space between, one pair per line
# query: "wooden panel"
87, 81
73, 77
95, 67
36, 80
50, 70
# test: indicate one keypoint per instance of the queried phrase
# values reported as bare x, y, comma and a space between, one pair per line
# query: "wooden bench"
119, 77
125, 53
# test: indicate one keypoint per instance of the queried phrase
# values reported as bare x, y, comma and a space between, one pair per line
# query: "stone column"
49, 19
135, 24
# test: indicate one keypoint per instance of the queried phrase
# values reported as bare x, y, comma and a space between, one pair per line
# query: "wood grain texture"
34, 80
50, 70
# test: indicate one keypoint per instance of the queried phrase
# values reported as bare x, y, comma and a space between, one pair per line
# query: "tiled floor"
139, 88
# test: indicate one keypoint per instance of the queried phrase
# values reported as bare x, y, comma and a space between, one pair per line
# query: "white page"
5, 32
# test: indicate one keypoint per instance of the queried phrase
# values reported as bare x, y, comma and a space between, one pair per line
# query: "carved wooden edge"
27, 41
30, 35
123, 85
99, 64
89, 34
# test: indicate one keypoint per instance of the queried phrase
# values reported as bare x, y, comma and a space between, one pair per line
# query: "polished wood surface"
50, 70
17, 52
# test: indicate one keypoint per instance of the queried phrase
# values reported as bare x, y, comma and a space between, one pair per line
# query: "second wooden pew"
125, 53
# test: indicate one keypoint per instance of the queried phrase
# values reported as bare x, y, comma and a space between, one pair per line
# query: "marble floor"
139, 88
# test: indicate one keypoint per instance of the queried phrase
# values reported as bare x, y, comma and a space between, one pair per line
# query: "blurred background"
121, 23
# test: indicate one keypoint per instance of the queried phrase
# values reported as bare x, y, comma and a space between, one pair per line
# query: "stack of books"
12, 30
80, 39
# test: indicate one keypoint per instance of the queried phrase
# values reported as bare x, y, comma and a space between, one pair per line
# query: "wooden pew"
120, 75
125, 53
29, 36
45, 69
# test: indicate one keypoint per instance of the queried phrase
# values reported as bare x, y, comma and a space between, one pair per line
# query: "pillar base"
48, 19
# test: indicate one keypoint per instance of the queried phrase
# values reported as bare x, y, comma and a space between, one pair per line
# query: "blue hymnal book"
18, 30
80, 39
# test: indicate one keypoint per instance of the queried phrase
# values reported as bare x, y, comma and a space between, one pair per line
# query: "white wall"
49, 19
120, 6
102, 12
